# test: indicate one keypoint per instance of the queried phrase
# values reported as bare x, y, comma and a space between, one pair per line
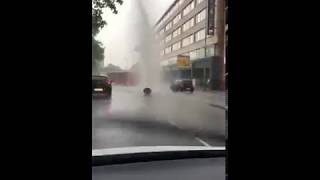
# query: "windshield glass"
187, 82
165, 62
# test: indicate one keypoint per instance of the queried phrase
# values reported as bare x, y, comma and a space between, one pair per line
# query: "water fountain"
149, 70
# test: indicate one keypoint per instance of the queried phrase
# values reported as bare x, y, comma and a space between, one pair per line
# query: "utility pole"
220, 31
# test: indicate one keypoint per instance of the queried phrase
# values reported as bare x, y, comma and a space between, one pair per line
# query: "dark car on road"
182, 85
101, 87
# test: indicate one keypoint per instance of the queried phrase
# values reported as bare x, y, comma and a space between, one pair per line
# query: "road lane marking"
202, 142
198, 139
173, 124
218, 106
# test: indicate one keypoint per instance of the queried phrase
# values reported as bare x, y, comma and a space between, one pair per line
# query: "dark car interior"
184, 169
169, 165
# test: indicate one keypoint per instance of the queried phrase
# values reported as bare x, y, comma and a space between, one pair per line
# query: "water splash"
148, 48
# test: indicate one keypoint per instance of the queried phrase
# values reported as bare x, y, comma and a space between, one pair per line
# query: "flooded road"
165, 118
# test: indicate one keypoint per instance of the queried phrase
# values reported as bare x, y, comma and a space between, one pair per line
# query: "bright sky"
119, 43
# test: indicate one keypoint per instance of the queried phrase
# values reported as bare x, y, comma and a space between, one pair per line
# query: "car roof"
99, 76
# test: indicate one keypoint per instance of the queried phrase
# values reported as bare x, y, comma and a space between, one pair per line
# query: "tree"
97, 6
111, 68
97, 24
97, 54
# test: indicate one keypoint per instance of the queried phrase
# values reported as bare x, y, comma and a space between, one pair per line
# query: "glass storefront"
197, 54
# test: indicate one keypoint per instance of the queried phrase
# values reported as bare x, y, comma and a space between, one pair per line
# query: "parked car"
101, 87
182, 85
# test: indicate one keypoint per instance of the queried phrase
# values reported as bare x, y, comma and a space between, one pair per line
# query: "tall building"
188, 29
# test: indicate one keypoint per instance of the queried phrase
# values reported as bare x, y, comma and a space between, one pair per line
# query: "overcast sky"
119, 43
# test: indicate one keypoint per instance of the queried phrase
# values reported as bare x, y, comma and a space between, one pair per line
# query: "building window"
168, 38
193, 55
187, 41
176, 46
188, 9
161, 42
200, 34
161, 31
197, 54
210, 51
199, 1
177, 32
167, 50
201, 16
168, 26
161, 52
188, 24
177, 18
200, 53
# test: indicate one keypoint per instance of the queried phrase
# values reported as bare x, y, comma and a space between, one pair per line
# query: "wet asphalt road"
166, 118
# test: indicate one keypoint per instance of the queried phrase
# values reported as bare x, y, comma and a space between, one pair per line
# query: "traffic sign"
183, 61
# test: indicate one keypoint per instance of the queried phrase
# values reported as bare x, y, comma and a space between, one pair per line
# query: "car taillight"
109, 82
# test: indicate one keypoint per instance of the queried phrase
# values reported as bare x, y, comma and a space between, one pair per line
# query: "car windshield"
141, 49
187, 82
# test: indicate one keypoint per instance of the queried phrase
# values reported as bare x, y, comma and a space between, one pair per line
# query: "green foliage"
97, 24
97, 6
97, 53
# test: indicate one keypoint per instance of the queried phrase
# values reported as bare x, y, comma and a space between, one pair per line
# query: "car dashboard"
174, 164
184, 169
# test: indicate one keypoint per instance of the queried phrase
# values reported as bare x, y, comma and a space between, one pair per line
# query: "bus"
126, 78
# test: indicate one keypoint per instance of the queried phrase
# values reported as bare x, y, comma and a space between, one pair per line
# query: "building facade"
184, 30
226, 40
